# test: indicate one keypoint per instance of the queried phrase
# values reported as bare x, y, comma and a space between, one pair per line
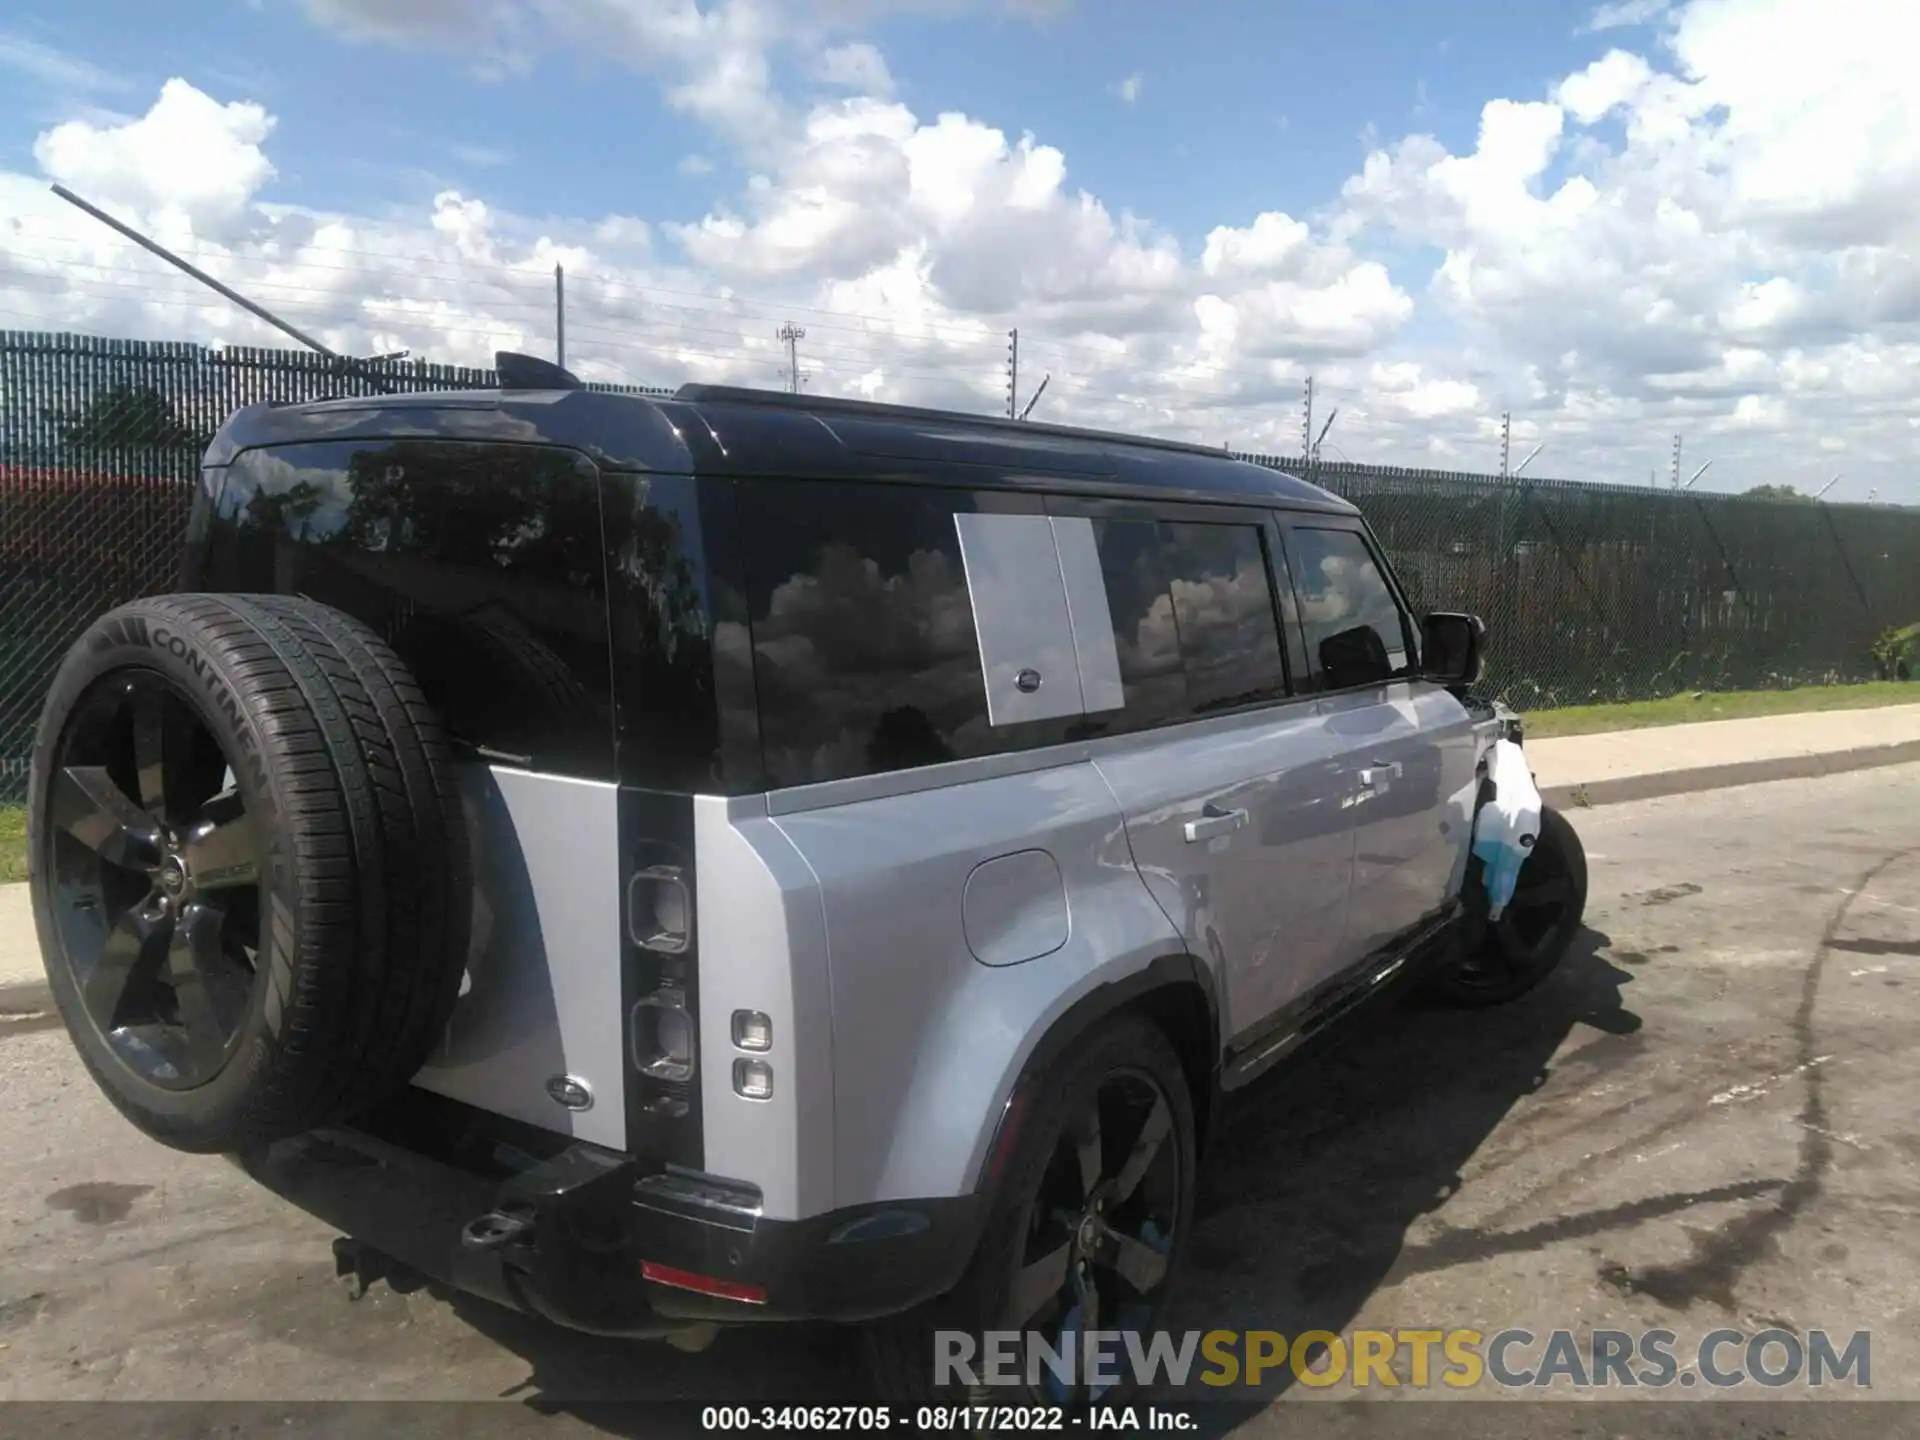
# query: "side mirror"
1354, 657
1452, 648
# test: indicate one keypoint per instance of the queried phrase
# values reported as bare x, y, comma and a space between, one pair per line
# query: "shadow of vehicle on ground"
1313, 1178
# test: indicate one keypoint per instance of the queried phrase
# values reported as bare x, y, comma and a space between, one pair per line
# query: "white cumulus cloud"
190, 160
1709, 225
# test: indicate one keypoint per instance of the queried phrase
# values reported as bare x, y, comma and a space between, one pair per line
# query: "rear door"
1231, 790
1408, 745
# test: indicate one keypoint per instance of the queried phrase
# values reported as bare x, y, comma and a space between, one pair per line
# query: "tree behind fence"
1591, 592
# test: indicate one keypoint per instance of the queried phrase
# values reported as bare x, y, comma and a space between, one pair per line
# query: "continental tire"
250, 869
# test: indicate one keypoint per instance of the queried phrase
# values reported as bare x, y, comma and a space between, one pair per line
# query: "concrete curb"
1719, 777
26, 1006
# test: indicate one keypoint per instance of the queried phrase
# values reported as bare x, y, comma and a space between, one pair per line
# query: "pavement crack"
1460, 1247
1721, 1258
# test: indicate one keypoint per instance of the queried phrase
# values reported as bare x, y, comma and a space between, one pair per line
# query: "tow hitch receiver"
498, 1228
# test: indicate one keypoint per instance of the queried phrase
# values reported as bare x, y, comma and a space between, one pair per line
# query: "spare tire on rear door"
250, 867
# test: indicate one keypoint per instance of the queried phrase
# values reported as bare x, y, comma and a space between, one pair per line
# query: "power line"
401, 313
893, 351
404, 311
467, 272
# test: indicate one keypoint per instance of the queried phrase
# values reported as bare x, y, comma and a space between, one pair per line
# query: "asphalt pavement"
1705, 1119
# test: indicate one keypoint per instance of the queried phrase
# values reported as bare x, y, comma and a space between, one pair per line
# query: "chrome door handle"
1214, 822
1380, 770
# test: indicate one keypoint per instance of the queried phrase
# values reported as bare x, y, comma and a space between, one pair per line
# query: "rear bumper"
591, 1240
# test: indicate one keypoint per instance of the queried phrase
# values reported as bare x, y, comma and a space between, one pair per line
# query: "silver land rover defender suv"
742, 857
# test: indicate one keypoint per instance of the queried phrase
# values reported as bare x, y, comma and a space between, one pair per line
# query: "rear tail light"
661, 987
663, 1037
660, 910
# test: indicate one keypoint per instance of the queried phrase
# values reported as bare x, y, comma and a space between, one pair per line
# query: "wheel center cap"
1089, 1236
173, 875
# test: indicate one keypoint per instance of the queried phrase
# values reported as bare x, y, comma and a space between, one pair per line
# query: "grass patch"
13, 843
1727, 705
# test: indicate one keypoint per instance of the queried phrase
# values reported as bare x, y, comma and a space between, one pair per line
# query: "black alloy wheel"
154, 866
1100, 1232
250, 866
1092, 1186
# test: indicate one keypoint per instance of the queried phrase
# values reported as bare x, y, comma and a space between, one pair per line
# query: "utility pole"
1506, 442
1675, 478
1013, 374
792, 335
560, 316
1306, 426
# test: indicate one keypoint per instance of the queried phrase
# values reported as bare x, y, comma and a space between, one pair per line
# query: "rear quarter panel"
928, 1040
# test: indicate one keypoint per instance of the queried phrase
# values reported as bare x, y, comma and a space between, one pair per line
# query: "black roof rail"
696, 393
530, 372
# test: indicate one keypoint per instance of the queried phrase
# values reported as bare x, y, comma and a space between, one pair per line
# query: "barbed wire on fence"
1592, 592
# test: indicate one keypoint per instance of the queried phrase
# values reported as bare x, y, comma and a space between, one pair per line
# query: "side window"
1193, 619
865, 653
482, 565
1223, 604
1355, 631
868, 607
1140, 601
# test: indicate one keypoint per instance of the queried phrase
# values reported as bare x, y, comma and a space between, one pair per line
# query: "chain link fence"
100, 444
1591, 592
1599, 593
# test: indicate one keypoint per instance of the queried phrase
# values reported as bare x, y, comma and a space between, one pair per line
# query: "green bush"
1896, 654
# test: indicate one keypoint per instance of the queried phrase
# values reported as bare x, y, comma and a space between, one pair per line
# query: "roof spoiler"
530, 372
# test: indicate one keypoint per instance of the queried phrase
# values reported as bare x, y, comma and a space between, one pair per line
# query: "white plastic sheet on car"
1507, 827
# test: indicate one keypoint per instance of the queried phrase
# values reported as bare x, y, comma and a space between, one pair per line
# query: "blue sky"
1242, 106
1614, 224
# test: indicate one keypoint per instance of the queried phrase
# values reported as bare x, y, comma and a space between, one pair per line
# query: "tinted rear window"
865, 656
484, 566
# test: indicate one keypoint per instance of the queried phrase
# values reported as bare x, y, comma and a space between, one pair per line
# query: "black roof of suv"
723, 430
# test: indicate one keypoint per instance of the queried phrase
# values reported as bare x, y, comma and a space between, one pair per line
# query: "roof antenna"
530, 372
343, 362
